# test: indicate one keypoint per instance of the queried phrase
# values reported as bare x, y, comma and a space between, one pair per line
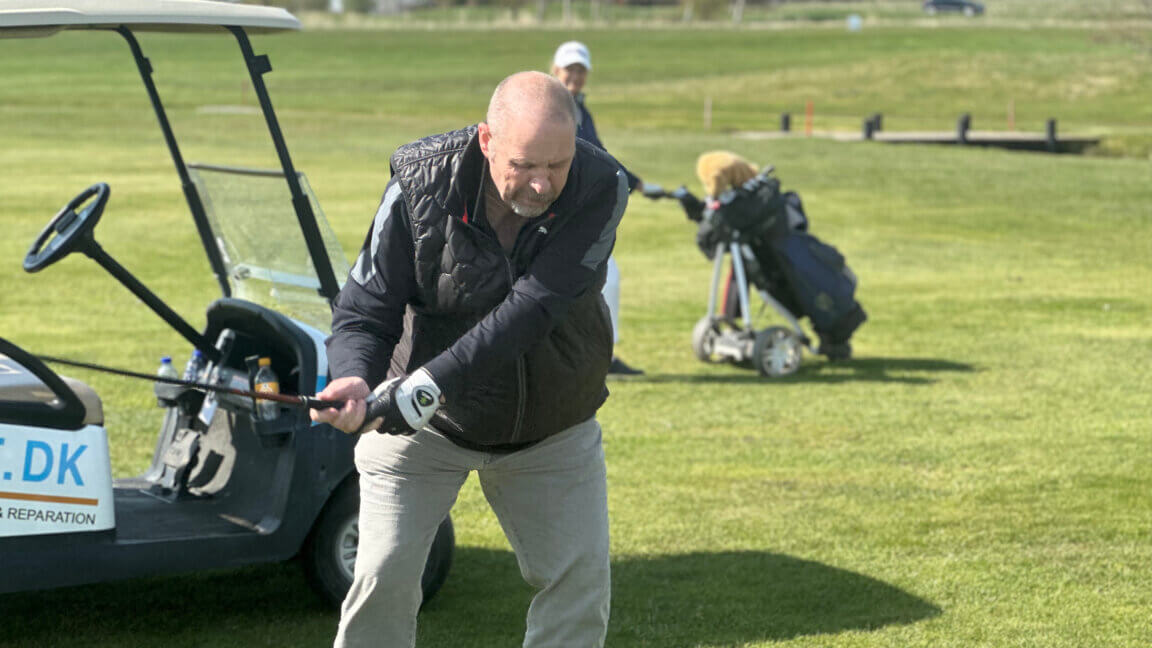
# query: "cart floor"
141, 516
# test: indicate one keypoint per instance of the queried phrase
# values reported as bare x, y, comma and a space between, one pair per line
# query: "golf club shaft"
310, 402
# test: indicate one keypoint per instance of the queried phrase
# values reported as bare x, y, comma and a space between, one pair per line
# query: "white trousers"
611, 292
551, 500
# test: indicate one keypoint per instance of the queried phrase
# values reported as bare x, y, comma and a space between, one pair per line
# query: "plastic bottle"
194, 366
165, 391
166, 369
266, 382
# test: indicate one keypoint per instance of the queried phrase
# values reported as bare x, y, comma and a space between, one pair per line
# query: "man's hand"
403, 405
352, 390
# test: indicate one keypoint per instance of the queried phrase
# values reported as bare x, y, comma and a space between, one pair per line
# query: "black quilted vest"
462, 273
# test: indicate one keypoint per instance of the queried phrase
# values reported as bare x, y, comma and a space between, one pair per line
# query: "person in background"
571, 65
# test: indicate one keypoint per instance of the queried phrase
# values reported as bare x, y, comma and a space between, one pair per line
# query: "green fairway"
977, 475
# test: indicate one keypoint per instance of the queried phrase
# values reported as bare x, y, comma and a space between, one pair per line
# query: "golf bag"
804, 274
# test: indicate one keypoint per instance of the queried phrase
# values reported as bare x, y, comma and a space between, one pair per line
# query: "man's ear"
485, 138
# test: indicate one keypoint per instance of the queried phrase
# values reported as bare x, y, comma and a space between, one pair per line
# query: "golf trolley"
762, 235
226, 486
773, 351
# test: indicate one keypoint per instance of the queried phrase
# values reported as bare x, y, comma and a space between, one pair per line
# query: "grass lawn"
977, 476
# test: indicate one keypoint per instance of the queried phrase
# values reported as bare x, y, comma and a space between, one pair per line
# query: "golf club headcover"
405, 404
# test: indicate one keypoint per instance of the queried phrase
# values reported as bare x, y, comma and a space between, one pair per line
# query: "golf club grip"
311, 402
378, 405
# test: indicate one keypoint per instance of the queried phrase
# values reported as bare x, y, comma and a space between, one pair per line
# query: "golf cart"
228, 485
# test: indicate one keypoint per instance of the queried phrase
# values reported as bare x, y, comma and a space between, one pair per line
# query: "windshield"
256, 229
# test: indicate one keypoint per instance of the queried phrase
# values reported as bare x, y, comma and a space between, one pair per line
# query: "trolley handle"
693, 206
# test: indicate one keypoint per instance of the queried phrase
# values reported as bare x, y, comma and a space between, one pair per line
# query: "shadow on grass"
895, 370
739, 597
676, 600
680, 600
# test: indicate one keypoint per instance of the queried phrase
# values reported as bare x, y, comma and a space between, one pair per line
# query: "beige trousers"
550, 498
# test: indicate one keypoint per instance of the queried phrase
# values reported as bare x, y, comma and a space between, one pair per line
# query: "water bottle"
166, 369
165, 392
195, 364
266, 382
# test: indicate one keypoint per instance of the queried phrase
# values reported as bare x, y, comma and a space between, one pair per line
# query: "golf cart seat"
93, 407
32, 394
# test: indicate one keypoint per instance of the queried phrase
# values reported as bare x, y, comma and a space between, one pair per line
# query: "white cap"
572, 52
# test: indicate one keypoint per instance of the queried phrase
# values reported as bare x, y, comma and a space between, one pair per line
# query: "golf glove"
405, 403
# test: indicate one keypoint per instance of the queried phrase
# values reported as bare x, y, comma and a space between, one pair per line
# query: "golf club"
311, 402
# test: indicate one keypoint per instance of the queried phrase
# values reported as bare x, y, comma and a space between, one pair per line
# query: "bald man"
474, 308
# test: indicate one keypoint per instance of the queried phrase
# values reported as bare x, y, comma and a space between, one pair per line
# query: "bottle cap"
196, 353
265, 362
166, 360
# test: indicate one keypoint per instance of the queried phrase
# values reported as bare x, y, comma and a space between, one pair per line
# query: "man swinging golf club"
475, 306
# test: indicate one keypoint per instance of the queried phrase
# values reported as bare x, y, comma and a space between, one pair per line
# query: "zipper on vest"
486, 231
521, 372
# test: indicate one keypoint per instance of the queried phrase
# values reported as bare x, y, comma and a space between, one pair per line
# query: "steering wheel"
72, 229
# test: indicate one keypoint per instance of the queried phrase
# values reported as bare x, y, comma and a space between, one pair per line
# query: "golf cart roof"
21, 18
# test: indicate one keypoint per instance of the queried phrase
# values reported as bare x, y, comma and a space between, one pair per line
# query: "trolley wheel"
776, 352
704, 336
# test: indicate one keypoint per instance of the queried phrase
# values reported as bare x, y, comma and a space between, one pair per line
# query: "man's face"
573, 77
529, 162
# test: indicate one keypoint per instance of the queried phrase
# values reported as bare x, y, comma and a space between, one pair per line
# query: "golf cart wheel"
704, 336
776, 352
329, 554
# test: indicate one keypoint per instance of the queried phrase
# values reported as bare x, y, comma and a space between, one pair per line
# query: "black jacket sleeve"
561, 272
368, 314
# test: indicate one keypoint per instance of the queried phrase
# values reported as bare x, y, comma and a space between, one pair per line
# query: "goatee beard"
524, 211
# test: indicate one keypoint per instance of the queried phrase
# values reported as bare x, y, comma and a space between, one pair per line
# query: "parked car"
966, 7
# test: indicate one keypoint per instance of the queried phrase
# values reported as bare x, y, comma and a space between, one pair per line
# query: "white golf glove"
406, 404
